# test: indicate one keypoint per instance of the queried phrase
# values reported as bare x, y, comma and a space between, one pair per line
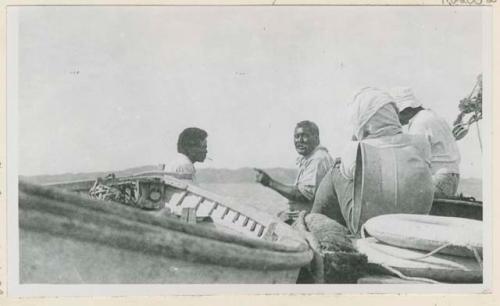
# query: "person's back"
445, 156
415, 146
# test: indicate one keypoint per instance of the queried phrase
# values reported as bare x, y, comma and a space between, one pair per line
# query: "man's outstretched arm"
288, 191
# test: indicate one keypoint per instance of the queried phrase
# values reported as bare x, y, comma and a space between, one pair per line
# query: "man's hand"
290, 192
262, 177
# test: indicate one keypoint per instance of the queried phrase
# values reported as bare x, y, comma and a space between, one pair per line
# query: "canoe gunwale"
159, 243
438, 267
477, 204
461, 208
213, 244
291, 245
417, 238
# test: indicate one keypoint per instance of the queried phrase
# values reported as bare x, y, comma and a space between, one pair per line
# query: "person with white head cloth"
445, 156
381, 171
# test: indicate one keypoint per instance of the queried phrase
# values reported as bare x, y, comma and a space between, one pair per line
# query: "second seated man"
313, 164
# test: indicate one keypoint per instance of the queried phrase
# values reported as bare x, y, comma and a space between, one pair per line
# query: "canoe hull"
60, 260
443, 268
460, 208
69, 239
453, 236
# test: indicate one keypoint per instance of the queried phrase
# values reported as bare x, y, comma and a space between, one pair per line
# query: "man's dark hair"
189, 137
311, 126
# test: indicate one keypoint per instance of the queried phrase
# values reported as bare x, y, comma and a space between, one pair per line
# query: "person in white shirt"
445, 156
191, 148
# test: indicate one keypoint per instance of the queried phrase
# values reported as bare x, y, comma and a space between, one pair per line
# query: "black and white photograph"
183, 149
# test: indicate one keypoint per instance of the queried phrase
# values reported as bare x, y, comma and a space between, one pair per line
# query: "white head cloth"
404, 98
373, 115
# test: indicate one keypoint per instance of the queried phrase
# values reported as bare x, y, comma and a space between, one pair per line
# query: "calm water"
252, 194
267, 200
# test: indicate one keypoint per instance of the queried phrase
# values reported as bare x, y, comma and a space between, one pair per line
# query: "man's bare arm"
288, 191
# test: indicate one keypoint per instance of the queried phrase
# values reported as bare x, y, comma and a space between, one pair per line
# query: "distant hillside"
68, 177
469, 186
209, 175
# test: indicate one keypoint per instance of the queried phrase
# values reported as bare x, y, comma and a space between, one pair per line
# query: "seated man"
191, 148
313, 163
382, 171
445, 157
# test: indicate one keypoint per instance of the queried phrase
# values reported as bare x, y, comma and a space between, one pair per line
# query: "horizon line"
198, 169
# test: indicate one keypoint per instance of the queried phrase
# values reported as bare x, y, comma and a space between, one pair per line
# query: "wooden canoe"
412, 263
67, 238
461, 207
448, 235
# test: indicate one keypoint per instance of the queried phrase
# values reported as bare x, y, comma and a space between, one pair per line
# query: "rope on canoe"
410, 278
424, 255
436, 250
476, 254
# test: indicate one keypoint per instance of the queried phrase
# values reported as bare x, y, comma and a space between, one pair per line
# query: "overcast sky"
107, 88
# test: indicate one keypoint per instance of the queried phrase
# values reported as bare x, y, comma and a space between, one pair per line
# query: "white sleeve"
181, 170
